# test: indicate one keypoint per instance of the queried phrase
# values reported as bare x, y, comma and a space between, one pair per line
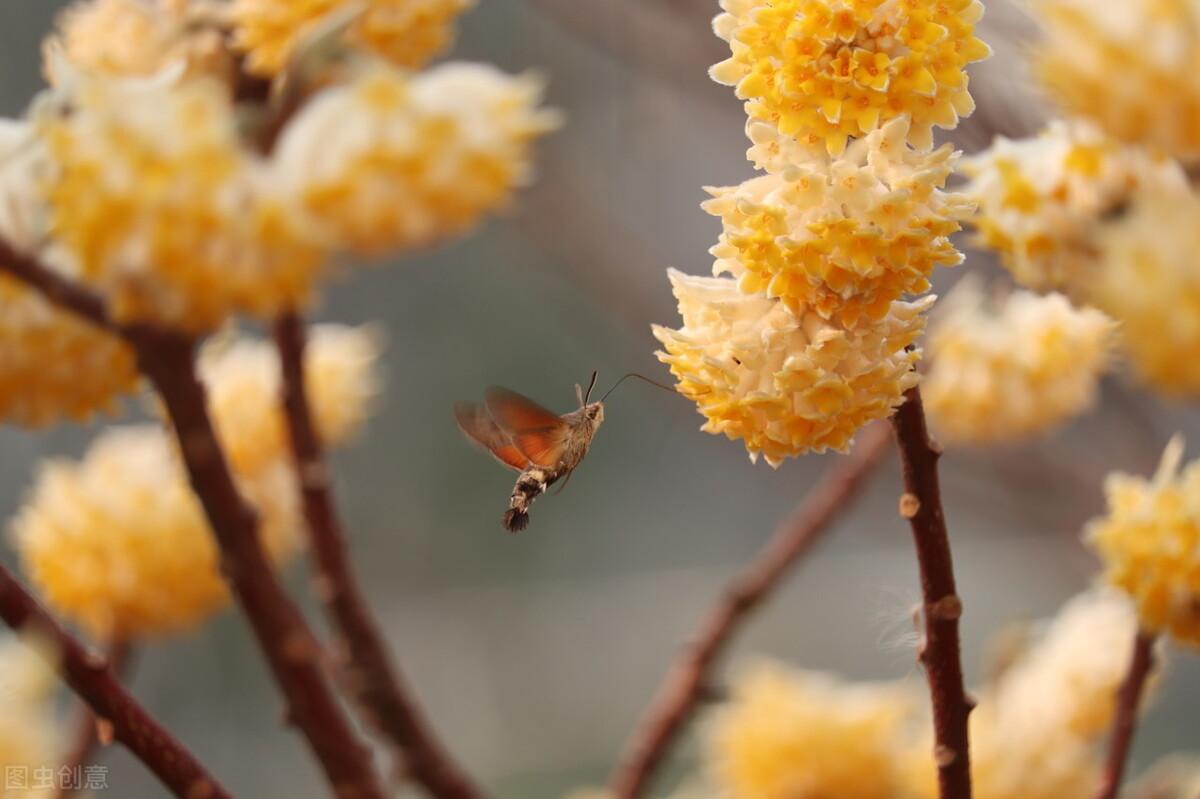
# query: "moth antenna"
587, 396
639, 377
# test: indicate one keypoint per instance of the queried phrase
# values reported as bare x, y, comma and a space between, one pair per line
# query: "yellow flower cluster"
158, 205
1043, 200
28, 733
782, 382
244, 389
844, 238
136, 38
1147, 280
1149, 543
792, 735
408, 33
53, 365
826, 70
425, 157
119, 544
1130, 66
1012, 367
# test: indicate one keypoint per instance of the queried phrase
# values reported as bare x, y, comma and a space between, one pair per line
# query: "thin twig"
88, 674
687, 679
88, 725
921, 504
168, 360
1129, 700
370, 677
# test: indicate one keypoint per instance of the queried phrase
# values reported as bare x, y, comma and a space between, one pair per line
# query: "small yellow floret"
118, 543
408, 33
1149, 543
793, 735
785, 384
825, 70
1014, 367
395, 161
29, 735
844, 239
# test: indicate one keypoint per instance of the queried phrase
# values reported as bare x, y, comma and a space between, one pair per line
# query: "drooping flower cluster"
827, 70
794, 735
780, 381
1149, 542
426, 157
1043, 201
28, 732
1130, 66
118, 542
408, 33
844, 238
1013, 366
825, 246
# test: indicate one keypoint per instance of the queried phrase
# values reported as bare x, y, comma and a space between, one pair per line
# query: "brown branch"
88, 725
89, 675
168, 360
921, 504
370, 677
1129, 700
686, 681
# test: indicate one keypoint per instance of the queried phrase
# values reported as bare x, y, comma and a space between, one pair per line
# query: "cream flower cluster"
1014, 366
795, 735
425, 157
408, 33
826, 70
1147, 279
844, 238
160, 206
117, 541
1042, 201
824, 248
1149, 542
1130, 66
782, 382
29, 736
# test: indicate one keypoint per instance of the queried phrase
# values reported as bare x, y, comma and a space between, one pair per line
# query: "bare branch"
1129, 701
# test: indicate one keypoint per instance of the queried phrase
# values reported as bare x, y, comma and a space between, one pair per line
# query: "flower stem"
687, 680
90, 676
369, 675
940, 655
1129, 700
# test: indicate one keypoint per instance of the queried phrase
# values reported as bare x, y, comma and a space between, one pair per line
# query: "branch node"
910, 506
201, 789
944, 756
105, 732
948, 608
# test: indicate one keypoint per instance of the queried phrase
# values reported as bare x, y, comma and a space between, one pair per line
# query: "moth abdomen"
530, 485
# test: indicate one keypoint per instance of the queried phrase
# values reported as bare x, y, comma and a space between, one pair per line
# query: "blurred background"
535, 654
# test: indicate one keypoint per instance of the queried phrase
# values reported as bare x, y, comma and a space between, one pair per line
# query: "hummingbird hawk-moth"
538, 443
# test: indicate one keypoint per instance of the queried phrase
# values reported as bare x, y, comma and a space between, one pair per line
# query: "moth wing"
478, 426
540, 434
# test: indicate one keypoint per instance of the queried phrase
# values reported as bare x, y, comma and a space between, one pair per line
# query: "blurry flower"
399, 161
1131, 66
1175, 776
407, 33
54, 365
1150, 544
244, 390
1013, 367
118, 543
28, 733
1043, 200
825, 70
795, 735
135, 38
785, 383
1148, 280
160, 208
844, 239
